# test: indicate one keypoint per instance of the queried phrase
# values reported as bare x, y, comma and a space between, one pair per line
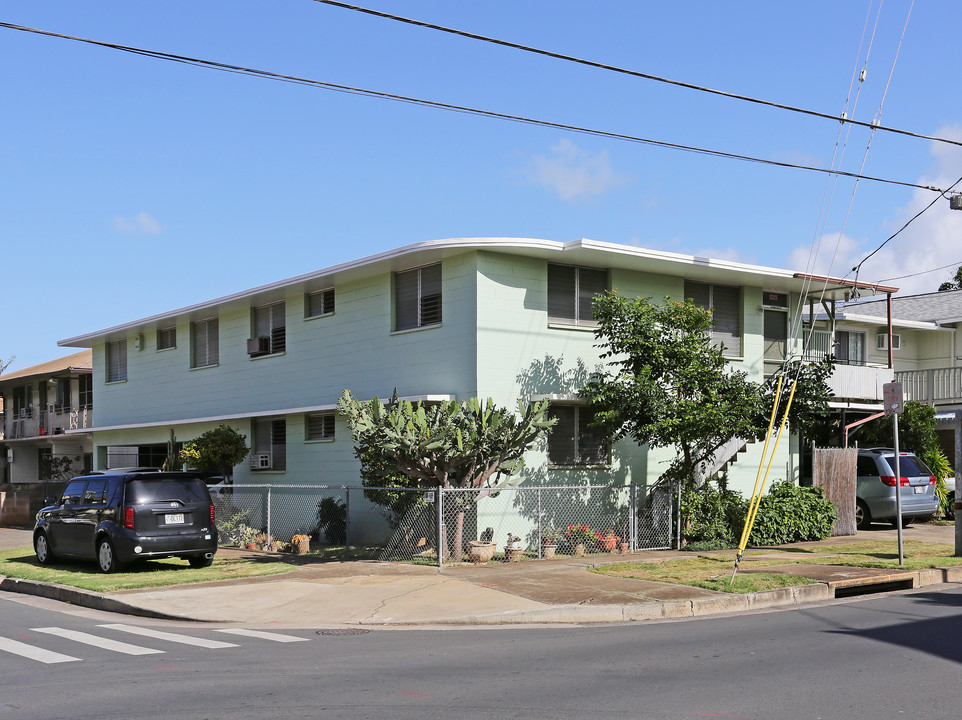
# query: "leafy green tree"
667, 385
470, 444
955, 283
216, 451
810, 414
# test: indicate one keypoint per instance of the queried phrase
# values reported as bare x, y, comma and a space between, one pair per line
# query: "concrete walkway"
561, 590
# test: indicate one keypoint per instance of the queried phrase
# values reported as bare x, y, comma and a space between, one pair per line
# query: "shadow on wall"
549, 377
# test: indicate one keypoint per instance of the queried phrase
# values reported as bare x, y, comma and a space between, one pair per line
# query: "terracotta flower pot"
608, 543
514, 554
623, 547
548, 551
580, 549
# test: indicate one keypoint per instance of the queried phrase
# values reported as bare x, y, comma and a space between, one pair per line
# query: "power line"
225, 67
635, 73
924, 272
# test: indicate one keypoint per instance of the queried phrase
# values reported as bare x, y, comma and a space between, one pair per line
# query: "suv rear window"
150, 490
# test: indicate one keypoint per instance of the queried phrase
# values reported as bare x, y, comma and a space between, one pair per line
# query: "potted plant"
549, 540
480, 551
607, 540
579, 537
513, 550
246, 536
301, 544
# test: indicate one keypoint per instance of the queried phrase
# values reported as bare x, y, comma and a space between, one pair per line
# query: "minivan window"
867, 467
94, 494
149, 490
909, 465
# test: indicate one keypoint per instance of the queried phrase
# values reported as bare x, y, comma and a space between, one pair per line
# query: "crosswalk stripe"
100, 642
171, 637
34, 653
276, 637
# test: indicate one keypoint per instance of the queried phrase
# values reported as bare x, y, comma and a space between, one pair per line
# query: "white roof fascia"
245, 415
875, 320
416, 254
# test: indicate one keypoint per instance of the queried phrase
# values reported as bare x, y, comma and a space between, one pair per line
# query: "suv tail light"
129, 518
212, 513
890, 480
932, 480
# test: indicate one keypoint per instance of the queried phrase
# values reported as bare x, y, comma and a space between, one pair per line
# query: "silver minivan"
875, 492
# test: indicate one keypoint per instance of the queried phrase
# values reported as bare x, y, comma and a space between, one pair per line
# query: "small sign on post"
892, 399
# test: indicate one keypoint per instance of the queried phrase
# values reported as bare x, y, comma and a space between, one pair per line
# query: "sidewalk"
562, 590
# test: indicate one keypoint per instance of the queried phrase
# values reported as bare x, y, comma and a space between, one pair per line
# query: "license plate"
920, 490
174, 519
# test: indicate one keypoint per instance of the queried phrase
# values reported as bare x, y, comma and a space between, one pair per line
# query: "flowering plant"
580, 534
298, 539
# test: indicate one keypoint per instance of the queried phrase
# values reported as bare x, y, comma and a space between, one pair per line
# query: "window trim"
575, 439
194, 325
324, 437
117, 374
160, 334
575, 322
419, 299
323, 293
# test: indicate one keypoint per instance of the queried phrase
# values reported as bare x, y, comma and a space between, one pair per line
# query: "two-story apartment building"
503, 318
47, 414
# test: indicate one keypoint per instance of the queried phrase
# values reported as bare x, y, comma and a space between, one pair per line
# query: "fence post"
633, 517
678, 518
347, 518
269, 535
540, 521
440, 527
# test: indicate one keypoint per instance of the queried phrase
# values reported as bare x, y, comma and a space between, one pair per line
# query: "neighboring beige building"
45, 410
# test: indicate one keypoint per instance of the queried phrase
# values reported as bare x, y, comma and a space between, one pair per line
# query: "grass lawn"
22, 563
713, 571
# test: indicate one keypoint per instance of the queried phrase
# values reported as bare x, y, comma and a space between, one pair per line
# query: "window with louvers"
204, 348
725, 303
320, 303
270, 436
417, 297
320, 426
166, 338
271, 321
573, 441
571, 291
117, 361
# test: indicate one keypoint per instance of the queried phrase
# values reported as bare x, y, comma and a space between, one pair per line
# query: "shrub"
710, 516
789, 514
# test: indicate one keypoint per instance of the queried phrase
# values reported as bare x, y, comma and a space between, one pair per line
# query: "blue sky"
133, 185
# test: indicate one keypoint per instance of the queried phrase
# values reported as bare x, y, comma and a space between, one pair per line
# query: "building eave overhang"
581, 252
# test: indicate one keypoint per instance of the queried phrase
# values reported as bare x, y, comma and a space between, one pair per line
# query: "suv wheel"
863, 518
42, 548
106, 558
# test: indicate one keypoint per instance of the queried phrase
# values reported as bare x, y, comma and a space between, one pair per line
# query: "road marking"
96, 641
171, 637
33, 653
276, 637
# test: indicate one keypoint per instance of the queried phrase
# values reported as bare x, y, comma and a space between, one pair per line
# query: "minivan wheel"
106, 558
199, 561
42, 548
863, 518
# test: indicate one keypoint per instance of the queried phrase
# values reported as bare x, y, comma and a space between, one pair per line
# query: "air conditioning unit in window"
260, 345
261, 461
882, 342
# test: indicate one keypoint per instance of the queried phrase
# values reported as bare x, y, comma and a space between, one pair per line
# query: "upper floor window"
23, 400
63, 394
167, 338
417, 297
319, 303
86, 396
725, 303
117, 361
573, 440
571, 291
269, 324
849, 347
204, 348
320, 426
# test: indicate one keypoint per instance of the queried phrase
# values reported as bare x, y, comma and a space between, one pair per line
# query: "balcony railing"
938, 386
32, 422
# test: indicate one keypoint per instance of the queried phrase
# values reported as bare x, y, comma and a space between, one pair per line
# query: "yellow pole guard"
772, 458
761, 463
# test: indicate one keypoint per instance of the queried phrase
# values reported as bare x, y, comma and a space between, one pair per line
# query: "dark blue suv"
119, 518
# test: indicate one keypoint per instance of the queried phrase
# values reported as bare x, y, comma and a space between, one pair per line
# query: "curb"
83, 598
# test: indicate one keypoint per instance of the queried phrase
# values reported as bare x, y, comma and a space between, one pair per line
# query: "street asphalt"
556, 591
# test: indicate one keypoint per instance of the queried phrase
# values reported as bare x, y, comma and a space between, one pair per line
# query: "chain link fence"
405, 525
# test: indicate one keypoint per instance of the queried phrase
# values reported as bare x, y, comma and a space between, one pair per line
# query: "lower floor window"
320, 426
573, 440
270, 444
